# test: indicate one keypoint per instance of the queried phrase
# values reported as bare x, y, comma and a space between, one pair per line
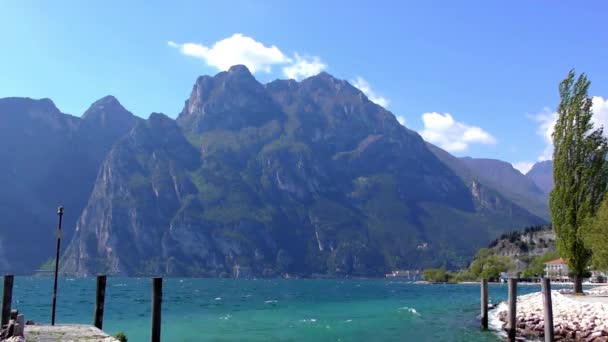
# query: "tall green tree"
597, 237
579, 172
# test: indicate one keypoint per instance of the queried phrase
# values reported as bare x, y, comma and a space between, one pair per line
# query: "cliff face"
522, 247
289, 177
511, 183
48, 159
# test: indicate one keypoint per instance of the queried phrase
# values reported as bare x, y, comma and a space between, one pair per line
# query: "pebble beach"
575, 318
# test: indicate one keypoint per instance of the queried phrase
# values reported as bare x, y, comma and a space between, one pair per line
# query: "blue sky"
494, 66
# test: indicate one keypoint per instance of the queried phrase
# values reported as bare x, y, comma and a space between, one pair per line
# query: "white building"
557, 270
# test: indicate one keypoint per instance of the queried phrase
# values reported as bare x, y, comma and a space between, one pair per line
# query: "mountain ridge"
286, 177
359, 192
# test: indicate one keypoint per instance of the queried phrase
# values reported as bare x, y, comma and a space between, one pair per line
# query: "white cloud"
304, 67
451, 135
523, 166
401, 119
545, 129
237, 49
600, 113
362, 84
241, 49
547, 120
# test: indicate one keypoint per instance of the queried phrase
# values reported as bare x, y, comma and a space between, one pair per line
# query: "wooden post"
7, 298
99, 301
548, 309
157, 295
484, 304
60, 214
512, 325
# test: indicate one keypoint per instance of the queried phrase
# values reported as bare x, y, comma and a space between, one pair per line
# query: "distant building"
598, 277
557, 270
410, 274
505, 276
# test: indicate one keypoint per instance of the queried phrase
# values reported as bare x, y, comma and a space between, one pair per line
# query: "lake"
269, 309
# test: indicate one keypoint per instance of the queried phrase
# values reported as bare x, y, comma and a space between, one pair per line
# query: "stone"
20, 325
18, 331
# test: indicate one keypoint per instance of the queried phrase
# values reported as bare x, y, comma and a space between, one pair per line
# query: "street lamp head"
60, 211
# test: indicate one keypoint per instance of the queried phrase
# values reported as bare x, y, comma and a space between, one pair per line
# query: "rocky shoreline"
582, 318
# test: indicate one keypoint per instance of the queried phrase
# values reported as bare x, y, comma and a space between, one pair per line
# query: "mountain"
542, 175
483, 188
48, 159
511, 183
289, 177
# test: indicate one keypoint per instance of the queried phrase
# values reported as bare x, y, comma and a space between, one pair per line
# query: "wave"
494, 322
411, 310
310, 320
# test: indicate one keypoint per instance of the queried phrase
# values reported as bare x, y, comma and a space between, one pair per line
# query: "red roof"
559, 261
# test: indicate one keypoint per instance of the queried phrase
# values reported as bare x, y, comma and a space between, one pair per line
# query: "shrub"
121, 336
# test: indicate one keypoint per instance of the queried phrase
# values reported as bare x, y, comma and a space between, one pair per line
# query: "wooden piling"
512, 318
548, 309
484, 304
7, 298
58, 249
99, 301
157, 294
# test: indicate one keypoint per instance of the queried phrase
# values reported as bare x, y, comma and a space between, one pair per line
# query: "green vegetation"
121, 336
515, 235
537, 265
597, 237
436, 275
579, 172
485, 265
488, 265
49, 265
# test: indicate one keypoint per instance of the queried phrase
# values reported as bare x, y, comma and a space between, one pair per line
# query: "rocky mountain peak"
542, 175
324, 82
107, 111
232, 99
27, 105
240, 71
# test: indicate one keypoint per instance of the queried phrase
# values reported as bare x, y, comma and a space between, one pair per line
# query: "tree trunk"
578, 284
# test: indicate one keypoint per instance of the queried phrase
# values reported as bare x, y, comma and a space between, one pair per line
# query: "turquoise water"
269, 310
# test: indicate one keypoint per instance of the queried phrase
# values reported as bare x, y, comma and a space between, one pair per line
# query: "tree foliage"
537, 265
579, 172
488, 265
597, 237
436, 275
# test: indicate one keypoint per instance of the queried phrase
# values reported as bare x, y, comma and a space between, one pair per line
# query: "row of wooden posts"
512, 313
157, 293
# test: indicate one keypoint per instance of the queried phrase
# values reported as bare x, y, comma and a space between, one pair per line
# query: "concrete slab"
65, 333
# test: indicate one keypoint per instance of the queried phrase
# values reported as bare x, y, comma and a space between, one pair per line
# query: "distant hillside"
525, 245
511, 183
496, 184
542, 175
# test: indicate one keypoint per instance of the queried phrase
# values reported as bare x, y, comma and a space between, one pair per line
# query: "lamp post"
60, 214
